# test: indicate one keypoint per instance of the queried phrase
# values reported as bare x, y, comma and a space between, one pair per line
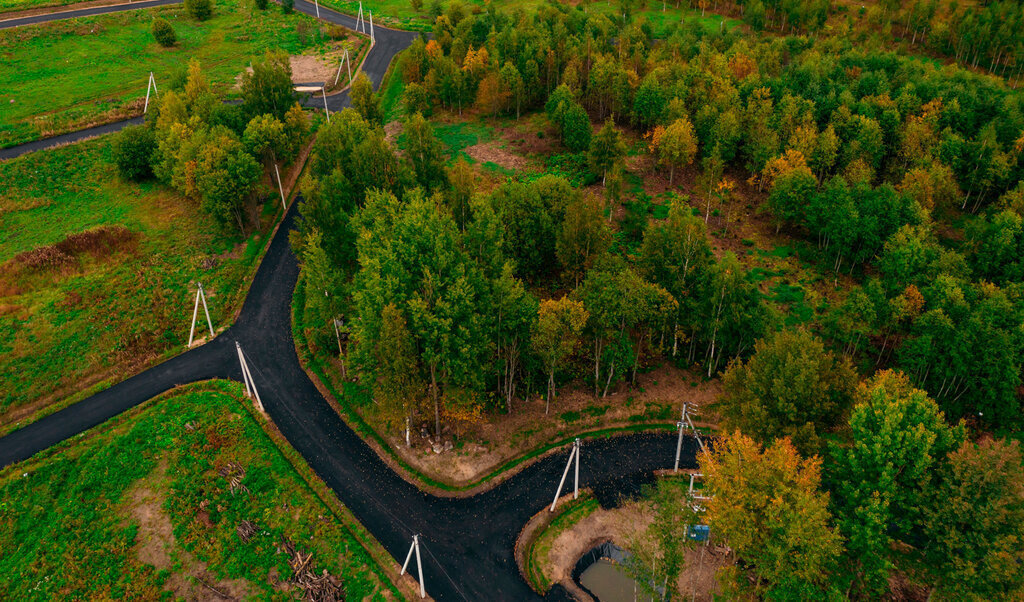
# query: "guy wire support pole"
151, 83
250, 384
344, 58
419, 564
679, 442
280, 187
200, 295
565, 473
360, 23
576, 488
324, 90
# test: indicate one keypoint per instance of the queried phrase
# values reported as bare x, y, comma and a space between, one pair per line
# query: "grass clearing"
67, 75
66, 329
142, 508
536, 553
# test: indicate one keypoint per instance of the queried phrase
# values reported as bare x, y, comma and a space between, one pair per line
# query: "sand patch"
156, 545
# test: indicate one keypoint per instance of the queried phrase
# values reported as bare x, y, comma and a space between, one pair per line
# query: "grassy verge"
18, 5
104, 62
143, 505
349, 396
111, 305
536, 548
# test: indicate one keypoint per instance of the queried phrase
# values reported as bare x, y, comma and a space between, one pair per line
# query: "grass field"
66, 75
97, 312
143, 508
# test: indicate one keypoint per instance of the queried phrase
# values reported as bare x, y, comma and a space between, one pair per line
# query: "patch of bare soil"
500, 438
491, 152
156, 546
531, 137
392, 130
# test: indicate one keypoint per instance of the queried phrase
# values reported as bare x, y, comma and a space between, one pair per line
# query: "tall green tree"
268, 89
676, 254
399, 384
556, 334
585, 237
425, 152
365, 100
882, 480
410, 254
606, 149
790, 387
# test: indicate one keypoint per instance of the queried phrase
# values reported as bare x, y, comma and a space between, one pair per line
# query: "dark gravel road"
467, 542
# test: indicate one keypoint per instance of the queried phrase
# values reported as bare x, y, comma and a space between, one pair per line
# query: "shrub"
287, 6
132, 151
200, 10
261, 4
164, 33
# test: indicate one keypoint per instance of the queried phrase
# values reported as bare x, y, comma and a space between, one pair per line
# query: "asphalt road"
468, 543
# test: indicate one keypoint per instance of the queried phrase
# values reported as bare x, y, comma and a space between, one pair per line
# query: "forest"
885, 424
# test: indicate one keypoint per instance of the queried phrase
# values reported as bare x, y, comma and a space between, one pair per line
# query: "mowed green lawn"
66, 75
68, 325
141, 508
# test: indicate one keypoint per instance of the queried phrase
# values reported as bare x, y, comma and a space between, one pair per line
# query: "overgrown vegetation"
185, 494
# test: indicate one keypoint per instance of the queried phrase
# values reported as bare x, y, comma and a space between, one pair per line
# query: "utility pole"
324, 91
576, 483
372, 39
573, 455
360, 23
338, 325
280, 187
415, 547
150, 84
317, 3
200, 295
250, 384
344, 61
686, 424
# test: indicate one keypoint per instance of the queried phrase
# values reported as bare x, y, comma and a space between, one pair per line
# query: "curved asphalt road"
468, 543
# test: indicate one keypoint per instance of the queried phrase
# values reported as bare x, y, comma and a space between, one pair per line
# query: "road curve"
467, 542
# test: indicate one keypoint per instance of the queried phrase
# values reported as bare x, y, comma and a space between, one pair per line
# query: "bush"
261, 4
164, 33
287, 6
200, 10
132, 150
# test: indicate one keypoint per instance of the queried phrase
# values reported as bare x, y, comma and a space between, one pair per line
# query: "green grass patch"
536, 554
793, 296
391, 92
457, 137
76, 519
98, 317
66, 75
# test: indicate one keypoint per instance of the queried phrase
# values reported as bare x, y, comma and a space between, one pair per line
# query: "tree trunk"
437, 400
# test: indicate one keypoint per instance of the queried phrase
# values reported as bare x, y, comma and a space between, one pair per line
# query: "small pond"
601, 573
